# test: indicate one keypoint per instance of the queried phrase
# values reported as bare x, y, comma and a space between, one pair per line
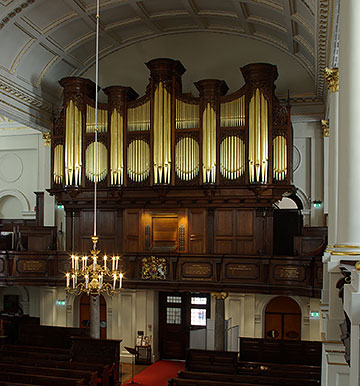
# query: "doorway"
179, 314
283, 319
85, 314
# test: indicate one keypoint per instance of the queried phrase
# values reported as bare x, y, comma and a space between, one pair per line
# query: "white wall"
24, 169
309, 174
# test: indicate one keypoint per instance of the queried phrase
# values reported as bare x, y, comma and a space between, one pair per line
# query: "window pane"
198, 300
173, 299
198, 317
173, 315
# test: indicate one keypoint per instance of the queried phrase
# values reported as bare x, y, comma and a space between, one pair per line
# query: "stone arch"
303, 303
17, 194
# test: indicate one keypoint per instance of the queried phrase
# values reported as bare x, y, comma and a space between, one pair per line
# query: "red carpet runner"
158, 373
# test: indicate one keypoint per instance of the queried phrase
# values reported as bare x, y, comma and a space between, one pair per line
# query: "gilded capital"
219, 295
325, 127
332, 78
47, 139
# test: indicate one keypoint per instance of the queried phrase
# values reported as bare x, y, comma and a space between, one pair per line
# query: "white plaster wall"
24, 169
309, 176
248, 312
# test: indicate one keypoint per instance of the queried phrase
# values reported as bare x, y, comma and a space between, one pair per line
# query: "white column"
94, 317
349, 131
333, 171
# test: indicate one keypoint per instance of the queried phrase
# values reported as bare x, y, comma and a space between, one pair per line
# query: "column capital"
47, 139
219, 295
325, 127
332, 78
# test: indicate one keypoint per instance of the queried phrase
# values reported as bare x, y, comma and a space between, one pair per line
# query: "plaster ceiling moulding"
15, 93
307, 47
224, 24
271, 13
177, 24
306, 24
6, 3
44, 16
84, 51
323, 20
117, 14
278, 5
15, 12
153, 7
134, 32
13, 48
218, 14
71, 32
300, 30
33, 63
215, 5
306, 5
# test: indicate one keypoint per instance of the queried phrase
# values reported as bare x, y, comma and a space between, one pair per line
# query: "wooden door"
283, 319
85, 314
179, 314
172, 325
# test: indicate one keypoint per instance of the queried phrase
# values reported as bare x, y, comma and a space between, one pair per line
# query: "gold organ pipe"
90, 120
258, 138
162, 135
138, 160
187, 158
117, 148
280, 158
138, 118
187, 115
58, 173
73, 144
232, 114
232, 157
101, 162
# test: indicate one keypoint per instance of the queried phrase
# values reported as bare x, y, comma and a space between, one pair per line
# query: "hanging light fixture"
93, 274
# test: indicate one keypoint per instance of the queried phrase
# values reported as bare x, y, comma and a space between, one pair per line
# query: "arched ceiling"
45, 40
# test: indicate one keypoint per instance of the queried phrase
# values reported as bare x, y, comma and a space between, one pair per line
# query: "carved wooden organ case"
168, 138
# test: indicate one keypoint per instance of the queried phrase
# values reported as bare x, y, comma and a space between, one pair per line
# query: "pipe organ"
169, 138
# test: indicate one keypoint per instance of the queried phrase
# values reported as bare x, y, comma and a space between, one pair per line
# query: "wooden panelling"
132, 230
244, 220
234, 231
197, 230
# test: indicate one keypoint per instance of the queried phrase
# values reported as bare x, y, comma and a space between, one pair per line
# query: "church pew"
90, 377
5, 383
211, 361
102, 370
38, 355
241, 379
204, 382
40, 349
278, 366
40, 379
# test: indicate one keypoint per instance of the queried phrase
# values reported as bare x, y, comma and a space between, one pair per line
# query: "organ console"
168, 138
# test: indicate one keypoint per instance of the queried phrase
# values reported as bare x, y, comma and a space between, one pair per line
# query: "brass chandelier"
92, 274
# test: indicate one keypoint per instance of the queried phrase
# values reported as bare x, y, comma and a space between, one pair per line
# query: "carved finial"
332, 78
47, 139
325, 127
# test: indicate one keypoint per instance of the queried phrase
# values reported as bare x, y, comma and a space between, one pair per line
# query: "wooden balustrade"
282, 274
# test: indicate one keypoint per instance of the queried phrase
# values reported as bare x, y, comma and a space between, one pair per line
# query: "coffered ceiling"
44, 40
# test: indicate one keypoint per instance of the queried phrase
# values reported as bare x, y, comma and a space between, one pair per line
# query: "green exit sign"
314, 315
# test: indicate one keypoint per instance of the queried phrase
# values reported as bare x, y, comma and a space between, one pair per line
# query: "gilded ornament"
219, 295
325, 127
47, 139
153, 268
357, 265
332, 78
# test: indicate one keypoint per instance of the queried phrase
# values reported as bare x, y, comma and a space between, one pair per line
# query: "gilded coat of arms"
153, 268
